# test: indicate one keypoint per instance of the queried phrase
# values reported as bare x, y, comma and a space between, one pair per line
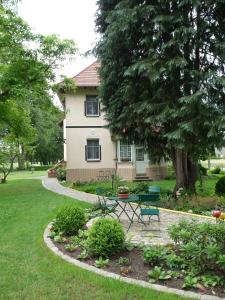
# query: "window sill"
93, 160
92, 116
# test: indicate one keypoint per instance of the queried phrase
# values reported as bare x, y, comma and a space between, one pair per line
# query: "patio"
154, 232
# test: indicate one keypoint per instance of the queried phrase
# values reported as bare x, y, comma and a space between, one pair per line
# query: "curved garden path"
153, 233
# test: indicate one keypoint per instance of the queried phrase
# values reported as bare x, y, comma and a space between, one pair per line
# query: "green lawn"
29, 270
25, 174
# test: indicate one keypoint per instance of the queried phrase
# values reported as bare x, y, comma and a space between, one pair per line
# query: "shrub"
61, 174
220, 186
105, 238
215, 170
41, 168
70, 219
140, 188
202, 170
200, 243
154, 255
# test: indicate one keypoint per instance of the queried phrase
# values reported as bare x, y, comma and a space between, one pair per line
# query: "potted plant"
123, 192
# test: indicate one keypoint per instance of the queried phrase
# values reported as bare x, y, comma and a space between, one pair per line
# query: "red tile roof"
89, 76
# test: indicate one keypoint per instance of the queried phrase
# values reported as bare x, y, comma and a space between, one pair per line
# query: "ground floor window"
125, 151
93, 150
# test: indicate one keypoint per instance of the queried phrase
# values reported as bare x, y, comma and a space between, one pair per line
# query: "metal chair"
150, 203
106, 208
154, 189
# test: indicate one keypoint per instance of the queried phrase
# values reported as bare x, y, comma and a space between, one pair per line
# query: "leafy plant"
58, 239
83, 255
70, 247
123, 189
220, 186
154, 255
124, 261
190, 281
158, 274
211, 280
70, 219
173, 261
101, 263
105, 237
61, 174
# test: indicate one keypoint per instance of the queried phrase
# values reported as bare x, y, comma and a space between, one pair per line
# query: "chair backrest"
149, 197
100, 191
154, 189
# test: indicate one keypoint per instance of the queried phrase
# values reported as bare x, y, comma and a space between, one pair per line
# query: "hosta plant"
101, 262
159, 274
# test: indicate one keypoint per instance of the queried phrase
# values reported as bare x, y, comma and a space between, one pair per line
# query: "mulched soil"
138, 269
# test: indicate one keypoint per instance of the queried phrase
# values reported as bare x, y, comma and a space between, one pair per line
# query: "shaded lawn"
29, 270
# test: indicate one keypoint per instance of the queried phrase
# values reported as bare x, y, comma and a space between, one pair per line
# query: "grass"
29, 270
25, 174
166, 184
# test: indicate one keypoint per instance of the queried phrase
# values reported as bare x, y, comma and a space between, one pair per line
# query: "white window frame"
99, 149
86, 106
129, 157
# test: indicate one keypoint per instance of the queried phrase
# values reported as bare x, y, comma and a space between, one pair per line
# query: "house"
91, 152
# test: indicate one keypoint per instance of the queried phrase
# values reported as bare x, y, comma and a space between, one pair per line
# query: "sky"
70, 19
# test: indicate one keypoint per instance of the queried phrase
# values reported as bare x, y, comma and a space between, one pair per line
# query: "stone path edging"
104, 273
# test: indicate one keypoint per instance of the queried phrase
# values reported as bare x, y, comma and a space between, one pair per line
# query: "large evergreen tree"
162, 73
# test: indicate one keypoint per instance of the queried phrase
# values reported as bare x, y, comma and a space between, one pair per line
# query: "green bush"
61, 174
155, 255
202, 170
200, 243
41, 168
220, 186
69, 219
140, 188
215, 170
105, 238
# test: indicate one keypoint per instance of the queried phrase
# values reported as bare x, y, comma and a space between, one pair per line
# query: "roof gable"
88, 77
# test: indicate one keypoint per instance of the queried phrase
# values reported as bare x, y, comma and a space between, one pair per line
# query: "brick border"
104, 273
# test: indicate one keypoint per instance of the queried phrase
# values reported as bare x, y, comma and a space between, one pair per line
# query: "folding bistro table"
126, 206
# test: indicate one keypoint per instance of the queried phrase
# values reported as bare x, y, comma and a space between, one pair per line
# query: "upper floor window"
125, 151
91, 106
93, 150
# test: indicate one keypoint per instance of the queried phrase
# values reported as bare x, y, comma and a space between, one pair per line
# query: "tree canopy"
28, 63
162, 72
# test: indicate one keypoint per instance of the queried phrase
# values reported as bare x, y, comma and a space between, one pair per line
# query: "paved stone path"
153, 233
53, 185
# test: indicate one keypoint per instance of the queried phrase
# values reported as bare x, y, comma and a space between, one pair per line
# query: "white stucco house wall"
90, 151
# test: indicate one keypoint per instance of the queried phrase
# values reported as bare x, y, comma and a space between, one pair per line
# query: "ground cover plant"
29, 270
195, 260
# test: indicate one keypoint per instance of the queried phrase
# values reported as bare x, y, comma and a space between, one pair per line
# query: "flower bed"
195, 261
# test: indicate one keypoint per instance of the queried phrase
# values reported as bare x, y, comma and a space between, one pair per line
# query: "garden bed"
137, 269
195, 261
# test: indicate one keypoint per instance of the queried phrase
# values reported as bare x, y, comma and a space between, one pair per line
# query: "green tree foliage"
27, 73
163, 77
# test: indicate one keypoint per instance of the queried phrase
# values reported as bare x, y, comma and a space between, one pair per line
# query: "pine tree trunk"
186, 171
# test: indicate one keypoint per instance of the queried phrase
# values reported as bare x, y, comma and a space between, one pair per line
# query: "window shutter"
85, 108
85, 152
100, 152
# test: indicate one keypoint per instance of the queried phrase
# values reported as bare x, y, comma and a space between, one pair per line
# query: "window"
93, 150
125, 151
91, 106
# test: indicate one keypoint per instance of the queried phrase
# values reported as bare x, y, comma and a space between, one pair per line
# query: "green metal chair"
106, 208
153, 189
150, 203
